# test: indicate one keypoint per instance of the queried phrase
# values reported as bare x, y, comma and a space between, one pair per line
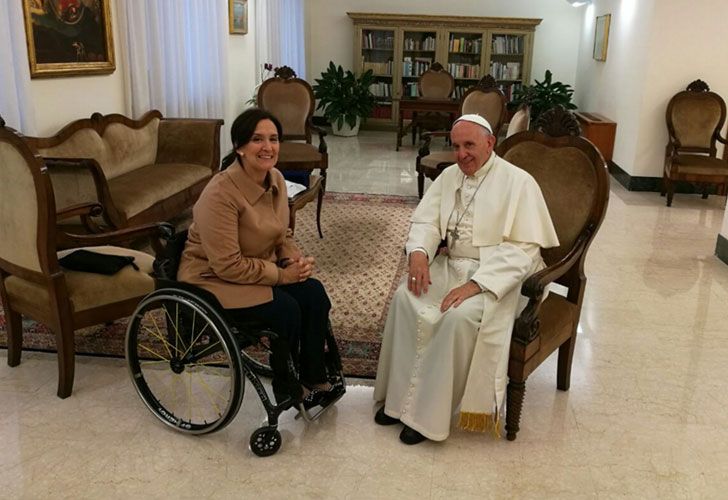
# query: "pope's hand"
458, 295
419, 274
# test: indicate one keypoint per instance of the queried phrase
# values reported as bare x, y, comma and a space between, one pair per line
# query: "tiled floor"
645, 417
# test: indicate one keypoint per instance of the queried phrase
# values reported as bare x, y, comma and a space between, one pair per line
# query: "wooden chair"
484, 99
573, 177
33, 284
695, 118
291, 100
435, 83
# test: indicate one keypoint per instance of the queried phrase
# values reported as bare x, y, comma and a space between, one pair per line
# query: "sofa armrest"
156, 232
186, 140
81, 180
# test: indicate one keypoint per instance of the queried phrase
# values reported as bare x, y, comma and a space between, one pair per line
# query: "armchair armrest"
85, 211
74, 191
185, 140
527, 324
427, 139
158, 232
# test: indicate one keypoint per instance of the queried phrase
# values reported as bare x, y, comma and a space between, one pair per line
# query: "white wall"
331, 33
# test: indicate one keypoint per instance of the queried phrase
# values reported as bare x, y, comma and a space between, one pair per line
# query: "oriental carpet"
360, 261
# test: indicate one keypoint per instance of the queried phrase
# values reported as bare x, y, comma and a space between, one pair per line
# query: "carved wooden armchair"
573, 177
32, 282
484, 99
291, 100
695, 118
435, 83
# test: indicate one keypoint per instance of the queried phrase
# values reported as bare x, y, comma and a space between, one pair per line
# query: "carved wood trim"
284, 72
698, 86
436, 66
487, 82
558, 122
380, 19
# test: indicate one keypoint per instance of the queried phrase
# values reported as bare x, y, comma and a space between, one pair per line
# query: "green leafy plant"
543, 95
343, 96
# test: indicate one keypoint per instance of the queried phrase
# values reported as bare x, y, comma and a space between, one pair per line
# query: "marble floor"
645, 417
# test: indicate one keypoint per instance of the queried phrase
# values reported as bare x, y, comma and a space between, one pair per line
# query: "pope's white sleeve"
424, 233
506, 267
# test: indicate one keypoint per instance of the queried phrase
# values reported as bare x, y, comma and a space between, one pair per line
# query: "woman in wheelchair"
239, 248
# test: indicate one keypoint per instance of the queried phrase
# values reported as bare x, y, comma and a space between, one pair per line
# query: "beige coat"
239, 230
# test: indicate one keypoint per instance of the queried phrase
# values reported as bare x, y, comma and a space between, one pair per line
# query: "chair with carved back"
695, 118
435, 83
291, 100
520, 121
572, 175
484, 99
33, 283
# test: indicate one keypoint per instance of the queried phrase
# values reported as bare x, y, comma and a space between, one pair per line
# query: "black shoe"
411, 436
383, 419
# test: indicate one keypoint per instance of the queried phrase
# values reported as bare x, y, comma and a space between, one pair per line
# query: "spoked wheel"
184, 362
265, 441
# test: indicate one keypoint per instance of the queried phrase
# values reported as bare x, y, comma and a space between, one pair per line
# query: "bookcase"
398, 48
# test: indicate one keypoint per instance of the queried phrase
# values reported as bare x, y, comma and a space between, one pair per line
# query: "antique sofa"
140, 171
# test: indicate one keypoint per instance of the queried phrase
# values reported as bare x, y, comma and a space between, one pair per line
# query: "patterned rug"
360, 260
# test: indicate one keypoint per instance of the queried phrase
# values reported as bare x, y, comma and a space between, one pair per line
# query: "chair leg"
66, 353
292, 220
563, 371
319, 202
420, 184
705, 191
663, 185
514, 404
670, 191
14, 322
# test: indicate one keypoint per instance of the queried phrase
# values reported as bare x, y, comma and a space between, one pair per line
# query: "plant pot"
346, 130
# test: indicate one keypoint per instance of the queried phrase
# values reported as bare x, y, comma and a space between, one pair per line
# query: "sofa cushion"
134, 192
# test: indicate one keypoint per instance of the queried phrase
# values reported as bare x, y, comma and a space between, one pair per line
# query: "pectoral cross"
454, 235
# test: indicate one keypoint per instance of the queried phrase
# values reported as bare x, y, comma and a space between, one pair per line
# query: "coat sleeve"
217, 223
506, 267
424, 231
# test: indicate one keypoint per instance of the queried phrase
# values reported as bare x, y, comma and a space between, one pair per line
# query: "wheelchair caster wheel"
265, 441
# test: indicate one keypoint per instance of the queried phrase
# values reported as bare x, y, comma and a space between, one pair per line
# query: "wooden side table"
599, 130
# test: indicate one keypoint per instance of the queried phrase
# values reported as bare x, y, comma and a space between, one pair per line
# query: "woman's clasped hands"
296, 270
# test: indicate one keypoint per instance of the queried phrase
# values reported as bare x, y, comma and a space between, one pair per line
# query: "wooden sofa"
140, 171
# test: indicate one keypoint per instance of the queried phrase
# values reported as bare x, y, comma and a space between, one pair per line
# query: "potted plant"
344, 98
542, 96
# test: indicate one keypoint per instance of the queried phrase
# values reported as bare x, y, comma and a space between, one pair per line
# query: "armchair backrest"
572, 175
27, 210
520, 121
695, 117
291, 100
487, 100
436, 83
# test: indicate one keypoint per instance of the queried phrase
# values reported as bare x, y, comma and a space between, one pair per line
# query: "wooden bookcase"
399, 47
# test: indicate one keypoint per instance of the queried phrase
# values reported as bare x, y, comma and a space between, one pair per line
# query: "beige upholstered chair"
33, 284
520, 121
484, 99
695, 118
435, 83
291, 100
573, 178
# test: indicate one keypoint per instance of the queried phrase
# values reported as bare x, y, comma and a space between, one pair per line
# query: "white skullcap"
477, 119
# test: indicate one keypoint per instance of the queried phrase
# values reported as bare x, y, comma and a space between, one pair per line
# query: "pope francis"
446, 340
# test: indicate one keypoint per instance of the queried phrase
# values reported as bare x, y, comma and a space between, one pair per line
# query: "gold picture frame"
68, 37
238, 16
601, 37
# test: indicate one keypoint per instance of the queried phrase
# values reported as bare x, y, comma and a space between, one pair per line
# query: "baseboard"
721, 248
651, 184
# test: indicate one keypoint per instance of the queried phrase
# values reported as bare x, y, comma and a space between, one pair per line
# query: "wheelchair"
188, 363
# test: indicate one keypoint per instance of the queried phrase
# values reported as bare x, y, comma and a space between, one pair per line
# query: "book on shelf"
415, 66
378, 68
414, 44
382, 110
377, 40
381, 89
507, 44
458, 70
509, 89
510, 70
465, 45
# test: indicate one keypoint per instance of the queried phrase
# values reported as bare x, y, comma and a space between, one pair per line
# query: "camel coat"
239, 231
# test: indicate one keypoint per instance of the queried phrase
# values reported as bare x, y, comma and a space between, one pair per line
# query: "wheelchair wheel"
265, 441
184, 362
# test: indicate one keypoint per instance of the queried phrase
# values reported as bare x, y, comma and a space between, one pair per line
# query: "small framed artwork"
68, 37
601, 37
238, 14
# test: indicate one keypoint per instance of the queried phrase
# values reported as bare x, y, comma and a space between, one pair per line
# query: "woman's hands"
297, 270
418, 279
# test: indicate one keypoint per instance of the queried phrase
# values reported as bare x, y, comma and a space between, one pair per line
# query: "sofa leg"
14, 328
514, 404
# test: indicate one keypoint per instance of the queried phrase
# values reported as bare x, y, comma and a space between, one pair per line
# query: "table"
600, 130
421, 104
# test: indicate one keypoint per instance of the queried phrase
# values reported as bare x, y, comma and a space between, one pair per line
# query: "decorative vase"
346, 130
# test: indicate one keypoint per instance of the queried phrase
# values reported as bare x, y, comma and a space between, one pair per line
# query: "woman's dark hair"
243, 129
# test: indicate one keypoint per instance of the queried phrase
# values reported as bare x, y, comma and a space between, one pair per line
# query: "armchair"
695, 118
32, 282
484, 99
291, 100
573, 177
435, 83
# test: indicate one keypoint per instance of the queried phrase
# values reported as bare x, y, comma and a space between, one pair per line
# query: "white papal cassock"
431, 363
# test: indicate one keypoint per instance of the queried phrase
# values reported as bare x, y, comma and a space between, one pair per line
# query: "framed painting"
68, 37
238, 15
601, 37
